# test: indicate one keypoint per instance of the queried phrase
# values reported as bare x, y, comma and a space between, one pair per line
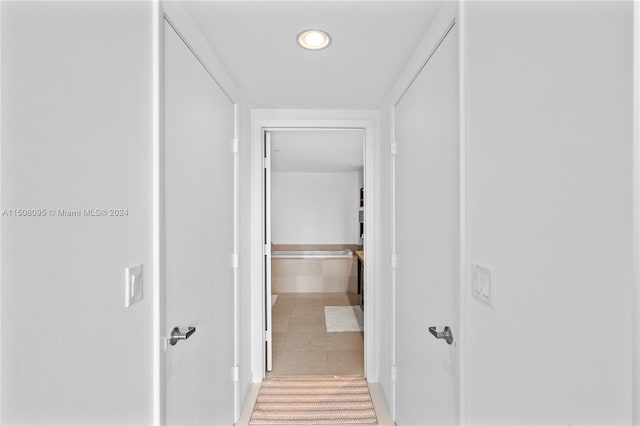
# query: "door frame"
268, 284
636, 218
263, 120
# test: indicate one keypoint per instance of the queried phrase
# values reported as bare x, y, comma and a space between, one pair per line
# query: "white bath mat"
343, 318
274, 297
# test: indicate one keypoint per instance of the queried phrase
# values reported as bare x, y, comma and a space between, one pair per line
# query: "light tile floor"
301, 344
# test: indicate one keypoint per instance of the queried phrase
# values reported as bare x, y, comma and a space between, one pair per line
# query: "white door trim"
267, 250
0, 216
158, 217
392, 112
464, 234
636, 217
271, 120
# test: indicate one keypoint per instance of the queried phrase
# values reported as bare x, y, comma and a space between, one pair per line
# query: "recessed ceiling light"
314, 39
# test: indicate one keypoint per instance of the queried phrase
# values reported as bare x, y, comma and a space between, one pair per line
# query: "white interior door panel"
427, 241
198, 233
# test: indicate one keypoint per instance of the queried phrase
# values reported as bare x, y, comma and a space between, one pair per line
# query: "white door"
198, 235
267, 252
427, 242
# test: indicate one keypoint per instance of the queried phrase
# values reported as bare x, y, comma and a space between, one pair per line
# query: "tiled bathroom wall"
314, 275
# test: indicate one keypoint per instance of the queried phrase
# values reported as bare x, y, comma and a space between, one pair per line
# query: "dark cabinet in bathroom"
361, 213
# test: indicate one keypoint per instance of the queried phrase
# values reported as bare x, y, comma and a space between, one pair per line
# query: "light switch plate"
133, 285
481, 284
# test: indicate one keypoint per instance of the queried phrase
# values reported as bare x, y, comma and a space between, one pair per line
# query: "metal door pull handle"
176, 335
447, 335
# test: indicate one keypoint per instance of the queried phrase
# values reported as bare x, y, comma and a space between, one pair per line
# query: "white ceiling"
256, 42
328, 151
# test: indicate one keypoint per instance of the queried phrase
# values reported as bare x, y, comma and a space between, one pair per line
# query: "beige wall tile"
280, 285
337, 267
282, 267
314, 275
335, 284
309, 284
308, 267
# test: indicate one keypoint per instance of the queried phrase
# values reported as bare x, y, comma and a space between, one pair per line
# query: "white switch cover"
481, 283
133, 285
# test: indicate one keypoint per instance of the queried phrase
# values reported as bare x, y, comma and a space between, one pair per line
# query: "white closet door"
198, 233
427, 241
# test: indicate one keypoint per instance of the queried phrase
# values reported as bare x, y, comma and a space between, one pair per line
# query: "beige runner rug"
313, 401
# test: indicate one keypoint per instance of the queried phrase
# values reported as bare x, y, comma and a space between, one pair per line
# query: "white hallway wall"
549, 139
76, 133
315, 208
80, 135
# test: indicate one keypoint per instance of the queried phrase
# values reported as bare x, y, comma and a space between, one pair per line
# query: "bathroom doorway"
314, 234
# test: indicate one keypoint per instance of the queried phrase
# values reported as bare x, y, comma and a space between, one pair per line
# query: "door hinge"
267, 335
394, 373
234, 260
267, 249
235, 145
394, 261
234, 373
267, 163
394, 148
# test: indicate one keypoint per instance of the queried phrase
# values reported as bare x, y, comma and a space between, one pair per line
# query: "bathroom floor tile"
309, 304
310, 299
301, 344
279, 339
346, 341
306, 324
345, 362
287, 297
280, 323
312, 311
282, 310
301, 362
341, 299
305, 341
